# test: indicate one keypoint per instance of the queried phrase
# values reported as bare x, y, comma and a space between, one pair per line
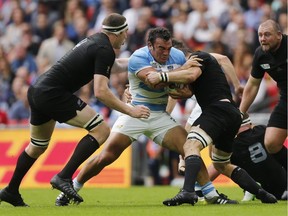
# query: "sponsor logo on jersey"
265, 66
170, 67
108, 69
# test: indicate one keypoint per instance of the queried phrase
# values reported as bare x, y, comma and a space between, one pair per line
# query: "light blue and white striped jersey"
155, 99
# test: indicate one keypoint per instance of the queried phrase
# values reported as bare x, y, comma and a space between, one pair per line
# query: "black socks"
244, 180
192, 168
85, 148
24, 163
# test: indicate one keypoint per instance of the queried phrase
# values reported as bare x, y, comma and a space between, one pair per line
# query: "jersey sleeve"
256, 71
104, 61
204, 56
138, 61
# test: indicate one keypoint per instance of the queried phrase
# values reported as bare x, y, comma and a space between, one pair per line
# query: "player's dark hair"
181, 46
114, 20
158, 32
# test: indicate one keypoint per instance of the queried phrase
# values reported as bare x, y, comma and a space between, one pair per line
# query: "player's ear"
150, 47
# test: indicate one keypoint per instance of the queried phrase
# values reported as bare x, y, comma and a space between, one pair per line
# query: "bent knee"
35, 151
101, 132
224, 168
220, 167
273, 146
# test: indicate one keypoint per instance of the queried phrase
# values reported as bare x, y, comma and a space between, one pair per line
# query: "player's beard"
265, 47
269, 47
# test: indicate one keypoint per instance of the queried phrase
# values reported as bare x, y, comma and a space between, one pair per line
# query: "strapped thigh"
93, 122
196, 133
40, 142
220, 158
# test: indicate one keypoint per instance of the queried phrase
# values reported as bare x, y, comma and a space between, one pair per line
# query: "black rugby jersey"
93, 55
212, 84
275, 64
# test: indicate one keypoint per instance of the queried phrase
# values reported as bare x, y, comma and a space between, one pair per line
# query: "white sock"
209, 190
77, 186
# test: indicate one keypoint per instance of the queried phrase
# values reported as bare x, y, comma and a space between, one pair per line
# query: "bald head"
270, 24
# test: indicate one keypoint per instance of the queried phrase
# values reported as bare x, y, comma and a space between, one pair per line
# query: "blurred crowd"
34, 34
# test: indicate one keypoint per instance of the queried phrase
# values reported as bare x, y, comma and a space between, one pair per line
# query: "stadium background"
228, 27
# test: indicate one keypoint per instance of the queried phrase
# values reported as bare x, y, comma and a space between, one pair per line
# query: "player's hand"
127, 97
178, 93
181, 166
193, 61
239, 91
140, 111
152, 79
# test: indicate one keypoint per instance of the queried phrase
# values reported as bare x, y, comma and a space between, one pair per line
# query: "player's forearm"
103, 93
249, 94
184, 76
120, 65
228, 69
113, 102
171, 104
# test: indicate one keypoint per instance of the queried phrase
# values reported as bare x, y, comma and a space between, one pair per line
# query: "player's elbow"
189, 79
99, 92
222, 59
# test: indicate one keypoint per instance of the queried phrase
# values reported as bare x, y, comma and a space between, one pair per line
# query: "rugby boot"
284, 195
248, 196
221, 199
182, 197
66, 186
62, 200
11, 198
266, 197
200, 195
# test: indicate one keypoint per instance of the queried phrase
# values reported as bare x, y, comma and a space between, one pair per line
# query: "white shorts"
196, 112
155, 127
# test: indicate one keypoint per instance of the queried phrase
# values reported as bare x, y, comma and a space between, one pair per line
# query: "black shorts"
57, 104
278, 117
221, 121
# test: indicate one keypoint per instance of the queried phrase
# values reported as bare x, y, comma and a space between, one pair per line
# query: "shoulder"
201, 53
141, 58
177, 52
142, 53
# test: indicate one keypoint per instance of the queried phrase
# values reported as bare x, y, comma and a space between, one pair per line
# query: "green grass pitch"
136, 201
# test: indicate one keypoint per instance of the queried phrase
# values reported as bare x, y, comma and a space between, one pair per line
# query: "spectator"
7, 8
41, 30
28, 6
132, 14
21, 57
279, 9
19, 111
199, 10
14, 29
179, 25
237, 32
30, 43
73, 12
253, 16
138, 38
81, 27
44, 7
54, 48
106, 7
226, 15
6, 78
